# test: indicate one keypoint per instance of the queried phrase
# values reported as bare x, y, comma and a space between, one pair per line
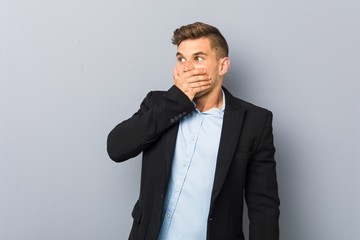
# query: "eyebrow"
194, 54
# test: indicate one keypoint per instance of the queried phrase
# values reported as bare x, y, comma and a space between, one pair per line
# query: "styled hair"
201, 30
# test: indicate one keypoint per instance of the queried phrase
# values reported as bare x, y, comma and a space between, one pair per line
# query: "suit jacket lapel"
232, 124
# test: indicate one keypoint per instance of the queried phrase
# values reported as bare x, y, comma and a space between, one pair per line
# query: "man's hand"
192, 82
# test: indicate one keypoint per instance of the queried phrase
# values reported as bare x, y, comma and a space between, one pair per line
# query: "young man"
204, 151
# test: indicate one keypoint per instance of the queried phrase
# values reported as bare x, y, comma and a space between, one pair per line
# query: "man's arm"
157, 113
261, 189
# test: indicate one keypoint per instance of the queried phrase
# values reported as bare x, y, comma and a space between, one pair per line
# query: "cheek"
200, 65
179, 68
214, 70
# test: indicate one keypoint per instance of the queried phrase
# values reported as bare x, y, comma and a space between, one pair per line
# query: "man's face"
198, 54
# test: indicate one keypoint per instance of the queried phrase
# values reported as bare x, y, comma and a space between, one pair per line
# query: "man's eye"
181, 59
198, 59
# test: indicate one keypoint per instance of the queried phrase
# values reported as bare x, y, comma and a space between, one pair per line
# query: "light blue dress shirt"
188, 196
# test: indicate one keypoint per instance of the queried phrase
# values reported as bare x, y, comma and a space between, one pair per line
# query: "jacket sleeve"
158, 112
261, 190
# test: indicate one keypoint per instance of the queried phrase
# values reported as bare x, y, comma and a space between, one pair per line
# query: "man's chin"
202, 93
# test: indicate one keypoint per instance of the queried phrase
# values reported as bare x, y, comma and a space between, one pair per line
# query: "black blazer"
245, 165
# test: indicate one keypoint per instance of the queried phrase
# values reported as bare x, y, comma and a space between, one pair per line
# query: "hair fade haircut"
201, 30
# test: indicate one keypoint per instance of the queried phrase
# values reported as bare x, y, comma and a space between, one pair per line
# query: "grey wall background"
71, 70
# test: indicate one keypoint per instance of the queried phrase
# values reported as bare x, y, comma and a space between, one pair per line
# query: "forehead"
191, 46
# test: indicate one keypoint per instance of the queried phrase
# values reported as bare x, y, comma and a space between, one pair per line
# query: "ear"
224, 65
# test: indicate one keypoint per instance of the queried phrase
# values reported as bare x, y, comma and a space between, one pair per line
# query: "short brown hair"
201, 30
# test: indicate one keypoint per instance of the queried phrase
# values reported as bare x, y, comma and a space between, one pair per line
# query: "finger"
199, 78
201, 83
175, 72
195, 72
198, 89
175, 75
198, 71
191, 73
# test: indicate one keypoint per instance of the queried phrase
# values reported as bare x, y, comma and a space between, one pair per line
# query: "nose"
188, 65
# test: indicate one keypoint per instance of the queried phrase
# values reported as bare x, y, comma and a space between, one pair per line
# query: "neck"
209, 101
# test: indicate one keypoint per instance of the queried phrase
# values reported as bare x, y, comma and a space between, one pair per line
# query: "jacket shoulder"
252, 107
235, 102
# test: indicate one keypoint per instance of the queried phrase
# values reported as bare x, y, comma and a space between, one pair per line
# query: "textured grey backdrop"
71, 70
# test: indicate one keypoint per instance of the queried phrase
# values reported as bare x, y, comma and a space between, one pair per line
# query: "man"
204, 151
